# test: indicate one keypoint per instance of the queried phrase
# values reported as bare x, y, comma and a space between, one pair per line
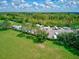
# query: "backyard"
14, 47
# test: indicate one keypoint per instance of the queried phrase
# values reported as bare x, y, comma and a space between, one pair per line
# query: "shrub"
41, 36
5, 25
69, 39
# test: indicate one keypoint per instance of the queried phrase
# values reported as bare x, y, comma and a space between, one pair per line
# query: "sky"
39, 5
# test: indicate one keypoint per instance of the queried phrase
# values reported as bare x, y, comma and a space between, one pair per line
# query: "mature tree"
69, 39
41, 36
5, 25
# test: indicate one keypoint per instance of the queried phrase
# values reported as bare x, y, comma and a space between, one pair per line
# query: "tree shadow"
26, 35
29, 36
3, 29
36, 40
70, 49
21, 35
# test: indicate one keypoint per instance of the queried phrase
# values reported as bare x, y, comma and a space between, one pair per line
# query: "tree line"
47, 19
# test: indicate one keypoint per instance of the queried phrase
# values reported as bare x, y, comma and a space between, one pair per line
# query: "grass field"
1, 21
14, 47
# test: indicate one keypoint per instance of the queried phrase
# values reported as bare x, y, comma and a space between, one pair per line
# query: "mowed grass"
1, 20
14, 47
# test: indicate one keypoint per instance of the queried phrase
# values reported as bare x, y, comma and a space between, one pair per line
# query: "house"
53, 33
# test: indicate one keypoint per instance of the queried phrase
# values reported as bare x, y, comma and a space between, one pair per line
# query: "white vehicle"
17, 27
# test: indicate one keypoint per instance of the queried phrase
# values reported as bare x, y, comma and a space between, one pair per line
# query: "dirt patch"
41, 45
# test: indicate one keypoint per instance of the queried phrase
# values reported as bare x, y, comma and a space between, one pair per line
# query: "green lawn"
1, 21
14, 47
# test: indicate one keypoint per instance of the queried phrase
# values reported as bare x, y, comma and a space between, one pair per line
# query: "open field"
14, 47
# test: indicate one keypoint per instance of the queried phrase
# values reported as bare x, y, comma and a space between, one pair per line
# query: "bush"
41, 36
69, 39
5, 25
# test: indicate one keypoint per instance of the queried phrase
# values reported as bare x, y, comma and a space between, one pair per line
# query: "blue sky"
39, 5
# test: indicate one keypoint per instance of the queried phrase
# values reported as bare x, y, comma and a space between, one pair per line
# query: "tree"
41, 36
69, 39
5, 25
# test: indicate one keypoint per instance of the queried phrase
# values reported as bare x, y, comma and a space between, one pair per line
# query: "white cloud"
13, 5
62, 0
19, 1
23, 4
51, 5
22, 1
20, 4
3, 4
47, 0
71, 4
48, 7
47, 4
35, 4
26, 5
42, 5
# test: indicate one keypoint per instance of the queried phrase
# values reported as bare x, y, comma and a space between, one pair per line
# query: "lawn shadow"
21, 35
3, 30
36, 40
26, 35
29, 36
70, 49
